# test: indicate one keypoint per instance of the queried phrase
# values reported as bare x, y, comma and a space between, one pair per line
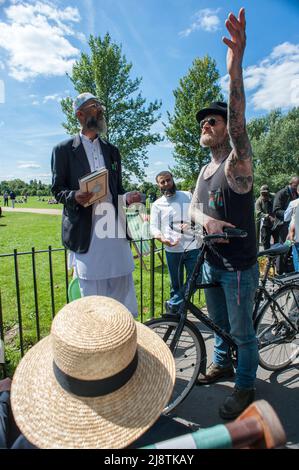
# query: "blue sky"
40, 40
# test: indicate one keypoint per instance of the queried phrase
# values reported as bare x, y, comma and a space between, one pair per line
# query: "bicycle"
275, 327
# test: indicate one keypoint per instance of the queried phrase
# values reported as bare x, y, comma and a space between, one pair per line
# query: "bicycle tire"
189, 355
278, 341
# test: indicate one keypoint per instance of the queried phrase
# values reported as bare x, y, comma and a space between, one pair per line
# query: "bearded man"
224, 198
95, 234
169, 224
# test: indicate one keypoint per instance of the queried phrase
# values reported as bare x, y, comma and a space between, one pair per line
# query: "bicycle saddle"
275, 250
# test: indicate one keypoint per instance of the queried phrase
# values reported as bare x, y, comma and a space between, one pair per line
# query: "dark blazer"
281, 201
69, 163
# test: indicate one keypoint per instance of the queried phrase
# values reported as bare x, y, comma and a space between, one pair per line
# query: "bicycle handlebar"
228, 232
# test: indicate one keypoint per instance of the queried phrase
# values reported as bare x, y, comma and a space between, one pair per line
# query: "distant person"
265, 217
292, 215
294, 236
99, 380
290, 210
5, 198
12, 198
168, 223
281, 201
97, 233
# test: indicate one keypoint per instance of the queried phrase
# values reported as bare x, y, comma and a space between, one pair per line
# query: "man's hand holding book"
82, 197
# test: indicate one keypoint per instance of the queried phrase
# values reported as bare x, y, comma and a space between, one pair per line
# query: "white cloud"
159, 163
27, 165
274, 82
33, 36
2, 92
56, 97
205, 19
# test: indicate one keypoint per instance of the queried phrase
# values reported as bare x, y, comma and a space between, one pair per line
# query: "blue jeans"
295, 251
230, 306
176, 263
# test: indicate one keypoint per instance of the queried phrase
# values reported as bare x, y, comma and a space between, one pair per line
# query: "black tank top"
222, 203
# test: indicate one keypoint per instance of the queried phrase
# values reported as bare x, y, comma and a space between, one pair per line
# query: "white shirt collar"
87, 139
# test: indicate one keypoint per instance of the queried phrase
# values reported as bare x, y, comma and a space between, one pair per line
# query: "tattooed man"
224, 198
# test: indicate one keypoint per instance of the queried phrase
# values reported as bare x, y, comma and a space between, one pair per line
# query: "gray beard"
96, 125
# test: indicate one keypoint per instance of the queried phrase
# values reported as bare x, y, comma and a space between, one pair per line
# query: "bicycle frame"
186, 305
191, 286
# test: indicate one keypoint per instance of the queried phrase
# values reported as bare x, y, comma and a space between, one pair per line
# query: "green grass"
24, 231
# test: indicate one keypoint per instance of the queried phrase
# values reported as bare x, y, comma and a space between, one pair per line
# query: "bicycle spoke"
277, 332
187, 355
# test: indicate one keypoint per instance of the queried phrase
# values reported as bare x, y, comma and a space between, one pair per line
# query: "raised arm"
238, 168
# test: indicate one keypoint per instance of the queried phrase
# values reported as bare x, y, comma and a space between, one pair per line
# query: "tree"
275, 143
106, 74
196, 90
150, 189
20, 188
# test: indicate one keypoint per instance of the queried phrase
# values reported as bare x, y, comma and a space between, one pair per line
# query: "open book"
95, 182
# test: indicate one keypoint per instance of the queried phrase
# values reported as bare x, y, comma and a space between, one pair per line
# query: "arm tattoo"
238, 167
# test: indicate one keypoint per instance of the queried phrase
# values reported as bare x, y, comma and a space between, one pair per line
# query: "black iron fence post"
66, 276
152, 277
51, 282
141, 284
2, 348
162, 289
18, 301
35, 294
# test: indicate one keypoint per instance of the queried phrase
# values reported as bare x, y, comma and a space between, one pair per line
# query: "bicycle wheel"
189, 353
277, 340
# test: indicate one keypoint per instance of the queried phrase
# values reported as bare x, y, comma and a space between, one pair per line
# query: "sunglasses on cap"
211, 121
94, 106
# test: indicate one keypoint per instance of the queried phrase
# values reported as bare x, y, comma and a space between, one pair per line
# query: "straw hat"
94, 347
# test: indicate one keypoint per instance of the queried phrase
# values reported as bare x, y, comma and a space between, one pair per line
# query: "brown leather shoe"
215, 373
233, 405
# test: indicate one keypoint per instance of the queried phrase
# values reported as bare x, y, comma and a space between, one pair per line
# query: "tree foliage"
275, 143
20, 188
105, 72
196, 90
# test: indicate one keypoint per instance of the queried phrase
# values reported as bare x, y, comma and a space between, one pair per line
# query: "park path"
33, 210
